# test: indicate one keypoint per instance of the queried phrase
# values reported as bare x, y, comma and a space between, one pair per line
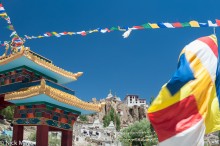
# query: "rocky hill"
127, 114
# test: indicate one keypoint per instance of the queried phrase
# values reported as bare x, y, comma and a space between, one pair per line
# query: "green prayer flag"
10, 27
185, 24
146, 25
113, 28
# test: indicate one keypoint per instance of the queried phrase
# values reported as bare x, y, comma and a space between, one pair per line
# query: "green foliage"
5, 138
139, 130
118, 122
106, 120
32, 137
8, 112
112, 116
54, 141
83, 118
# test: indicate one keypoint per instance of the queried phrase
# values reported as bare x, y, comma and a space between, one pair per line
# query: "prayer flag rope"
127, 30
16, 40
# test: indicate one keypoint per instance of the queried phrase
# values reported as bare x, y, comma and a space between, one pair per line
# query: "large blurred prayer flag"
187, 106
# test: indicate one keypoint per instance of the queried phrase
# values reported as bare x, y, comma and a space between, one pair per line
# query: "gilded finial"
42, 86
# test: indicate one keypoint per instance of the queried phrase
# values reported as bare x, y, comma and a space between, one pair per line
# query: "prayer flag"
168, 25
187, 106
212, 24
217, 22
154, 25
177, 24
194, 23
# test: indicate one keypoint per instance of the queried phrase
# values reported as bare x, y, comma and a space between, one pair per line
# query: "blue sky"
140, 64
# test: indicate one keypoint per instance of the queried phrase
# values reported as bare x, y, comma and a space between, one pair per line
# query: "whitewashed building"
112, 97
132, 100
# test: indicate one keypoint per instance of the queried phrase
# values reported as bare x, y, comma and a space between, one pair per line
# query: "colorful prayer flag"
146, 25
211, 24
203, 24
10, 27
154, 25
2, 9
177, 24
185, 24
187, 106
194, 23
217, 22
138, 27
161, 25
168, 25
55, 34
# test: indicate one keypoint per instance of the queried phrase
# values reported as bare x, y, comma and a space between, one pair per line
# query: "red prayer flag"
217, 22
177, 24
49, 34
138, 27
83, 33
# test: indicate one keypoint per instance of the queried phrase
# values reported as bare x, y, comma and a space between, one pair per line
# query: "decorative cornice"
26, 52
55, 94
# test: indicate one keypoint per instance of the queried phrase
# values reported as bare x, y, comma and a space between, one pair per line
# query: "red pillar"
42, 135
18, 132
66, 139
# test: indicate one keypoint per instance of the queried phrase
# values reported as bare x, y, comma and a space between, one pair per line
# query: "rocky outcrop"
127, 115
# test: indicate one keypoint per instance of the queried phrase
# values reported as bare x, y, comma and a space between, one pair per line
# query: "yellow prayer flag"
194, 23
70, 33
154, 25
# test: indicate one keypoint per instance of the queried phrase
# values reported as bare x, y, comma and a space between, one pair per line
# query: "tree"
32, 137
5, 140
52, 140
83, 118
112, 116
106, 120
118, 122
8, 112
136, 132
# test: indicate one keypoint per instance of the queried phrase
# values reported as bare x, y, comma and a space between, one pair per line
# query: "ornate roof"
46, 93
37, 62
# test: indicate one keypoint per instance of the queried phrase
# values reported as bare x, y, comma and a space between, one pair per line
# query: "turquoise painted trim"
58, 124
42, 121
28, 121
16, 86
45, 98
53, 105
30, 69
27, 62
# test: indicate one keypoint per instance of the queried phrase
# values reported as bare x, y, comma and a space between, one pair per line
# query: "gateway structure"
34, 85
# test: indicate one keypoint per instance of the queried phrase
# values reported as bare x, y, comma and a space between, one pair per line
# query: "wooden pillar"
18, 132
42, 135
67, 137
